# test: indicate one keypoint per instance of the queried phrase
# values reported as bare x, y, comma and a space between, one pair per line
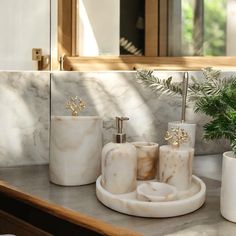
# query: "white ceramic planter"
189, 128
228, 187
175, 166
75, 149
147, 153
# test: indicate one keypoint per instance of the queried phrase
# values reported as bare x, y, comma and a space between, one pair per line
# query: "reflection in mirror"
112, 27
24, 25
201, 28
132, 27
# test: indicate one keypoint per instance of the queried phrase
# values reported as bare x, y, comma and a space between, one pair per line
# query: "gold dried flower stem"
75, 105
176, 137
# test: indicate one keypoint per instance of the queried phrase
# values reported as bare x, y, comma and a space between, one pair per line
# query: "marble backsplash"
25, 110
24, 118
110, 94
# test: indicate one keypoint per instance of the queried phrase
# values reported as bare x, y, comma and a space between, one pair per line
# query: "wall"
99, 27
25, 107
111, 94
24, 24
24, 119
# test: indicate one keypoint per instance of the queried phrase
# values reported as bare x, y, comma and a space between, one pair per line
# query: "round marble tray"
127, 203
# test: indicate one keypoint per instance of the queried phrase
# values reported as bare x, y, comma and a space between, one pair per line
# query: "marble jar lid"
156, 192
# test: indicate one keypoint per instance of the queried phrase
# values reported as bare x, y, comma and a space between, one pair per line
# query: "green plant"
213, 95
221, 107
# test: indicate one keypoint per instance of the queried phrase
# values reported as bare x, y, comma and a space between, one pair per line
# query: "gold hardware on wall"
43, 60
61, 62
37, 54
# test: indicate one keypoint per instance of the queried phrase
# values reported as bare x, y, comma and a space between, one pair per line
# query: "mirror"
24, 25
112, 27
201, 28
194, 27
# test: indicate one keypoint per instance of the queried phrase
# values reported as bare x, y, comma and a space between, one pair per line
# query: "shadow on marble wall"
110, 94
25, 110
24, 119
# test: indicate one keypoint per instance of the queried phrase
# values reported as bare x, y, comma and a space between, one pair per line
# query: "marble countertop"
205, 221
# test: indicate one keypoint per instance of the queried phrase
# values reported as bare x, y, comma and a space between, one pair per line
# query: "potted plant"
216, 97
221, 107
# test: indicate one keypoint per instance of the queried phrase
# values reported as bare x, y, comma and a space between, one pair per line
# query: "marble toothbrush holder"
175, 166
147, 156
189, 128
75, 149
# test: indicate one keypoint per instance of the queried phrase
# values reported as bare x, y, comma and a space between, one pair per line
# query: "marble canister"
175, 166
75, 149
189, 128
147, 154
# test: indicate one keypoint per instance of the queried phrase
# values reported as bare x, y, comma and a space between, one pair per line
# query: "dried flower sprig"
176, 136
75, 105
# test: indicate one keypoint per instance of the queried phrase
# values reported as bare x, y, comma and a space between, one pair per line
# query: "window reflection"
112, 27
132, 27
201, 28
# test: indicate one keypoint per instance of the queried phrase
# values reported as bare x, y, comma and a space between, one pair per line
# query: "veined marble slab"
24, 118
110, 94
25, 108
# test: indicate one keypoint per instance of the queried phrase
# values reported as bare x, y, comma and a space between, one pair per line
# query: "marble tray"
127, 203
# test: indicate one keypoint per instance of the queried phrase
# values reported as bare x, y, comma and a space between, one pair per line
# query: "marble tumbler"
189, 128
147, 154
75, 149
176, 166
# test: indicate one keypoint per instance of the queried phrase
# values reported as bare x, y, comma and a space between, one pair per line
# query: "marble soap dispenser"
75, 147
119, 163
175, 163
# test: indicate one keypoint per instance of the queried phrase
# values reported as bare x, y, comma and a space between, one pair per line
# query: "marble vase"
189, 128
75, 149
228, 187
147, 154
175, 166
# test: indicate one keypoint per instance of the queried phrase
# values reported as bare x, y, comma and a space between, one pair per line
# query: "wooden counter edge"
64, 213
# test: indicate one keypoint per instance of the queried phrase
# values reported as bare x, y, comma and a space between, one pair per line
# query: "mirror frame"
155, 47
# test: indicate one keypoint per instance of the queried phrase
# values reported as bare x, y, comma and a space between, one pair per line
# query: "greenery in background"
187, 28
221, 107
213, 95
214, 27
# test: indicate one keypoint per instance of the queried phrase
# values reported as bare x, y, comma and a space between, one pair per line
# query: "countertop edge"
65, 213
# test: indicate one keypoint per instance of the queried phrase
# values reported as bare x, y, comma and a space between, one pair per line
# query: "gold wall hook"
75, 105
176, 136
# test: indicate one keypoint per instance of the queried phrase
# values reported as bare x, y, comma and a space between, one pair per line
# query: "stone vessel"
119, 163
148, 161
176, 166
75, 149
119, 168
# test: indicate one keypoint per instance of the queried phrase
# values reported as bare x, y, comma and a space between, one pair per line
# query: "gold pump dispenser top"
120, 137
